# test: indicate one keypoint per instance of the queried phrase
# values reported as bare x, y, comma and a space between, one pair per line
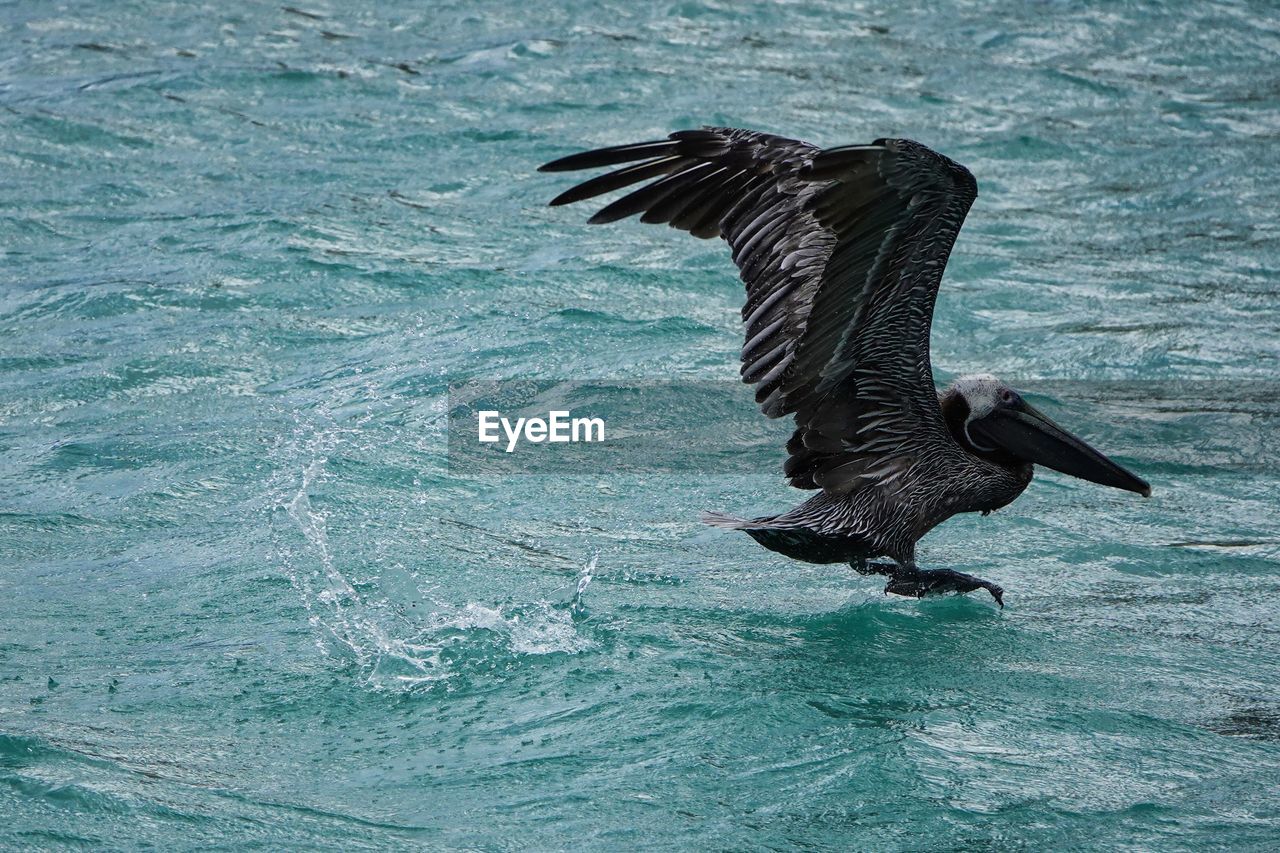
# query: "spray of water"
392, 650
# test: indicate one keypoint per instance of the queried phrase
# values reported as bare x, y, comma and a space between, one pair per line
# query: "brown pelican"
842, 251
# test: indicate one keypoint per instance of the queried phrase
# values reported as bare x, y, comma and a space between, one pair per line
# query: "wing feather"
842, 251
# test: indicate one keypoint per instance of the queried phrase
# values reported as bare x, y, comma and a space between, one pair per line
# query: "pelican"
842, 251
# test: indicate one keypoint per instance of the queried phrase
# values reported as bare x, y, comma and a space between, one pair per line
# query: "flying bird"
842, 251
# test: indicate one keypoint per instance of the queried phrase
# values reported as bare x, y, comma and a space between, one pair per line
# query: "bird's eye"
1007, 396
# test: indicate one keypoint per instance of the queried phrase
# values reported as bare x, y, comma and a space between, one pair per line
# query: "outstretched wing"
842, 251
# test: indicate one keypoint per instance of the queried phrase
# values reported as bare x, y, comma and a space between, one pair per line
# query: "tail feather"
794, 535
729, 522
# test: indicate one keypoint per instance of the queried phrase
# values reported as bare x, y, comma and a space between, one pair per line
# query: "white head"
983, 394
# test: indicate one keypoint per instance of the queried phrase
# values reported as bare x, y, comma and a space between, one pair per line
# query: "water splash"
314, 527
577, 606
394, 649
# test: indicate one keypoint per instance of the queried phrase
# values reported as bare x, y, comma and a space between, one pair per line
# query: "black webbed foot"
917, 583
923, 582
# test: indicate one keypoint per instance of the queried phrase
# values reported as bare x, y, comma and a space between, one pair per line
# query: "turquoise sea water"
244, 600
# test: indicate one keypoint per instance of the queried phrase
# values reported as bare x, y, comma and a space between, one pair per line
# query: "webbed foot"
919, 583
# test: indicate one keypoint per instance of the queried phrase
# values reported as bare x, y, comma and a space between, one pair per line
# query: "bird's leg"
906, 579
862, 567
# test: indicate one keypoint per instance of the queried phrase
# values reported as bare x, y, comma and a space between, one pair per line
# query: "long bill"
1030, 434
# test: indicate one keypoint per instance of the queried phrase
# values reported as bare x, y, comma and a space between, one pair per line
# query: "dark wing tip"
605, 216
564, 164
610, 156
572, 163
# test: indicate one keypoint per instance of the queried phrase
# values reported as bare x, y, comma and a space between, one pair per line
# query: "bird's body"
875, 522
842, 251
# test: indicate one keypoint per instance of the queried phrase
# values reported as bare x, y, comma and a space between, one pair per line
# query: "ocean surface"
245, 600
